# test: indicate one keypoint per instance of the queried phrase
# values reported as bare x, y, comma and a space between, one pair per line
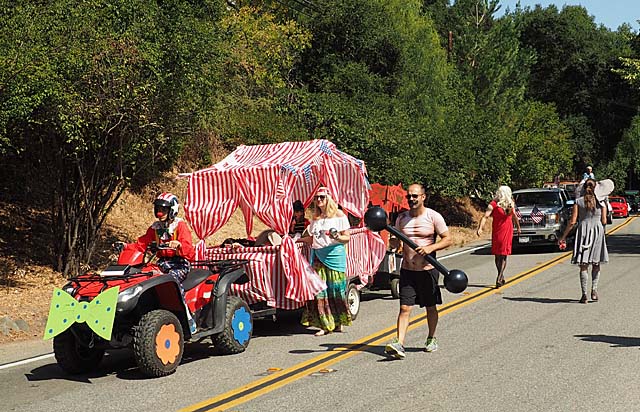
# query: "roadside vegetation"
101, 97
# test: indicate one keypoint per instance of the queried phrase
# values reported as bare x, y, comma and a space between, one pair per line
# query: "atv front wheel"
158, 343
74, 357
238, 325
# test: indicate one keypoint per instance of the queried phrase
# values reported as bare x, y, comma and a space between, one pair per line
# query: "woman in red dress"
502, 208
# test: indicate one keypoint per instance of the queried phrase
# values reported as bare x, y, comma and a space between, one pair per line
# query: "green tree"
575, 58
542, 147
97, 95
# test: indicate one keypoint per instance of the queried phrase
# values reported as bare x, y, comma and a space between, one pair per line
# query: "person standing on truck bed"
329, 232
419, 279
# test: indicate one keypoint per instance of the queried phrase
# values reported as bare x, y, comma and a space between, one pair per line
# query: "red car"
620, 206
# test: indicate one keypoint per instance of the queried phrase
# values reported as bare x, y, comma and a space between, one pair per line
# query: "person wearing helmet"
173, 232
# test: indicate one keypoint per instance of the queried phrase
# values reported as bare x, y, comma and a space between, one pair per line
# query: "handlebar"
154, 247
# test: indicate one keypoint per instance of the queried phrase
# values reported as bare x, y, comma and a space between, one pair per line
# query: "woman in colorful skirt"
329, 232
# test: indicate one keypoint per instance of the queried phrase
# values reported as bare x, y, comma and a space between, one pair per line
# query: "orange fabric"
390, 198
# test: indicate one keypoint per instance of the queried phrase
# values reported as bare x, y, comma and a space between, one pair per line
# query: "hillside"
26, 277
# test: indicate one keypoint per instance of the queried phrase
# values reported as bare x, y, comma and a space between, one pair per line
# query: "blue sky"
611, 13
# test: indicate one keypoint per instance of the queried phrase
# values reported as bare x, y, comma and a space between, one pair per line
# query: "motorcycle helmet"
166, 203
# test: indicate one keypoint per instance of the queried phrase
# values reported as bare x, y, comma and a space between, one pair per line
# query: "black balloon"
456, 281
375, 218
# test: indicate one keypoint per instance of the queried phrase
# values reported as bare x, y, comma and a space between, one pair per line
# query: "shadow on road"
350, 347
614, 341
540, 300
120, 363
623, 244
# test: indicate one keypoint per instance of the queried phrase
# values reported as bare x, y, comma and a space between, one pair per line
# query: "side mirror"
570, 202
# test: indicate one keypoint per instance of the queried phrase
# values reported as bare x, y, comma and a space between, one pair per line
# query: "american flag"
307, 172
518, 213
537, 215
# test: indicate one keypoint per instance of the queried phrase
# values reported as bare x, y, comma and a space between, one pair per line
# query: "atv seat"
195, 277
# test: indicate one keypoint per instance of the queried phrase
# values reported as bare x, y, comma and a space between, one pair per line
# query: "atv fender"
128, 298
220, 292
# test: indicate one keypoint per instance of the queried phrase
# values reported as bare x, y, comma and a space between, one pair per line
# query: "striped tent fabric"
264, 181
268, 282
365, 251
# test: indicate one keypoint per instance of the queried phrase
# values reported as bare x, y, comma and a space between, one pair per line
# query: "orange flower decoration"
167, 344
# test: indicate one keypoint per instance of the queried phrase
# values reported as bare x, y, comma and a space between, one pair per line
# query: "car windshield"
542, 199
614, 200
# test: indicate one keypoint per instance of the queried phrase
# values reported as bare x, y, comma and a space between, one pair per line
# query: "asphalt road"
529, 346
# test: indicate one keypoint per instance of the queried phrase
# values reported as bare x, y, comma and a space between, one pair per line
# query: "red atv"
150, 313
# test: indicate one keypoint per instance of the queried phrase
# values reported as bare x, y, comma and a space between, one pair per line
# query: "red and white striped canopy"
265, 180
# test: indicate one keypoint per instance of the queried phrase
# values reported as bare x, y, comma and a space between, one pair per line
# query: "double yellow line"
281, 378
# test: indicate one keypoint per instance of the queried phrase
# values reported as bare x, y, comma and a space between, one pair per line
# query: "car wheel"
158, 343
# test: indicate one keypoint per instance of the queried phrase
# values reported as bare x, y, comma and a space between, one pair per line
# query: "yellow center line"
281, 378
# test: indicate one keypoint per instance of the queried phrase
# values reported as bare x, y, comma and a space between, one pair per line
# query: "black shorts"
420, 287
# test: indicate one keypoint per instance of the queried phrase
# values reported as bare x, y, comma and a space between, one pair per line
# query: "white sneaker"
431, 344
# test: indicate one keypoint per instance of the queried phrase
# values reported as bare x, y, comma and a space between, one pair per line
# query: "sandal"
583, 299
321, 332
594, 296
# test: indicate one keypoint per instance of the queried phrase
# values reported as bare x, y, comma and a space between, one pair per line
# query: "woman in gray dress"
590, 247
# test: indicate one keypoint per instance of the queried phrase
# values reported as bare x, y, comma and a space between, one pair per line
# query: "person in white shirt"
328, 234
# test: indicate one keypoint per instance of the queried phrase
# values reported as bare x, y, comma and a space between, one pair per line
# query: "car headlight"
553, 218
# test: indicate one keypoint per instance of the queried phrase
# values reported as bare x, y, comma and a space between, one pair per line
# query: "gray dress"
590, 245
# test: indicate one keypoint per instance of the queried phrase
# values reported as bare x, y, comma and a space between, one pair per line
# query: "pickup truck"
545, 214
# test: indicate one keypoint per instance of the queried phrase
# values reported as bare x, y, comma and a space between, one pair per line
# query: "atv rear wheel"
74, 357
238, 325
158, 343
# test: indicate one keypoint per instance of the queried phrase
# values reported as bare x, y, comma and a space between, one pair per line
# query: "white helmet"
166, 201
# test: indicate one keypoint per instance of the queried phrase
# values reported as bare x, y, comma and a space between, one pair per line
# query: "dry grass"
26, 277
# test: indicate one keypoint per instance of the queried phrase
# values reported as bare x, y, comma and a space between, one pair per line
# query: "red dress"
501, 231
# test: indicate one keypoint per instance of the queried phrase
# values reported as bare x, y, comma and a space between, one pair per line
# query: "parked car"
620, 206
544, 215
632, 198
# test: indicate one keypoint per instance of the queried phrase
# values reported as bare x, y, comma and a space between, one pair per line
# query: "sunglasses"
321, 197
413, 196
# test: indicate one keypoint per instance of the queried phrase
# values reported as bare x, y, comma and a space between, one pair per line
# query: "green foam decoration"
99, 314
